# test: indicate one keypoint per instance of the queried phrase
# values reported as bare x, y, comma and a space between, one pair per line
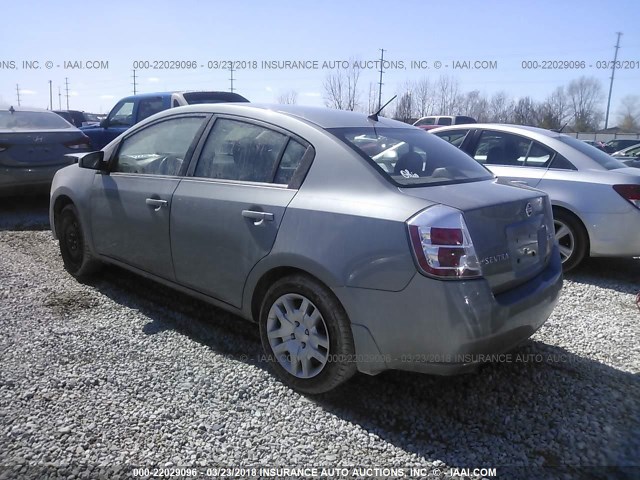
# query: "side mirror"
92, 160
104, 123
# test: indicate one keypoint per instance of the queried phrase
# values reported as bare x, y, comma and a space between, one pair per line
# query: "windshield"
411, 157
601, 158
32, 121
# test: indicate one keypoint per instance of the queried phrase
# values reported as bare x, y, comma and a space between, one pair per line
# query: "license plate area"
526, 244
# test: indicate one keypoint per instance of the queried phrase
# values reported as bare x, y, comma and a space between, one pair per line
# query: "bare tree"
584, 95
424, 97
526, 111
630, 113
341, 88
448, 94
555, 110
500, 108
290, 97
475, 105
404, 107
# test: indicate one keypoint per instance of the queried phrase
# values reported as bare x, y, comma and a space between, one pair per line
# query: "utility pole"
18, 93
135, 85
380, 82
59, 99
66, 83
613, 72
50, 96
231, 69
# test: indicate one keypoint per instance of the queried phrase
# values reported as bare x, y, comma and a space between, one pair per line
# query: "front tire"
572, 239
306, 335
78, 259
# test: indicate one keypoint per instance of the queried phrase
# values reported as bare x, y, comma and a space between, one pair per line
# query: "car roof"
25, 109
501, 127
320, 116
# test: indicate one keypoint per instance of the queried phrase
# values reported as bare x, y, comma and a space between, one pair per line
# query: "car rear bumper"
614, 234
446, 327
16, 181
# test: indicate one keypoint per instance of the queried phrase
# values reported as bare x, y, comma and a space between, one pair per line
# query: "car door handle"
259, 217
156, 202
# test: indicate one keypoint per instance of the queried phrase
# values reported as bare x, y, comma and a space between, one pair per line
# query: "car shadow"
620, 274
24, 213
543, 405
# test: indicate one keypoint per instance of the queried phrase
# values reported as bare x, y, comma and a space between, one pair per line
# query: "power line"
66, 83
59, 99
380, 82
135, 85
18, 93
613, 72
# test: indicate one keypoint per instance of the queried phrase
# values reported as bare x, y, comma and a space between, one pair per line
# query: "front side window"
426, 121
412, 157
444, 121
241, 151
123, 115
159, 149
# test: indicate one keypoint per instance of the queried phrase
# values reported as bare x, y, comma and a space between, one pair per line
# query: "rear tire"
306, 335
78, 259
572, 238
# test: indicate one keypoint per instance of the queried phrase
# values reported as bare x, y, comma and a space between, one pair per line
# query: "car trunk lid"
511, 227
40, 148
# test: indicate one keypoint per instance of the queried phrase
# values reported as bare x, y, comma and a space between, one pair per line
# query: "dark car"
617, 144
33, 145
78, 118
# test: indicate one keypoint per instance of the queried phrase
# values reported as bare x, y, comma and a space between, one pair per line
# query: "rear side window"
290, 162
412, 157
241, 151
149, 106
426, 121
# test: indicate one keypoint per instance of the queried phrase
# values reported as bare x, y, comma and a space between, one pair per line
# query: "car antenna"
559, 130
12, 110
374, 116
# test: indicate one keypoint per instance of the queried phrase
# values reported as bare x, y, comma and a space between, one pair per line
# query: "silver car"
595, 198
420, 261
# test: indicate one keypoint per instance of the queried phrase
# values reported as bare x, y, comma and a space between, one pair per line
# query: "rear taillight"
442, 245
630, 193
79, 143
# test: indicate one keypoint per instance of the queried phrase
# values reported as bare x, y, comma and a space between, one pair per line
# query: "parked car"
632, 151
595, 198
617, 144
134, 109
78, 118
276, 214
434, 121
596, 143
33, 144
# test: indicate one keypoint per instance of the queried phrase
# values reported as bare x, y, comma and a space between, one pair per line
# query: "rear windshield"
601, 158
32, 121
412, 157
196, 98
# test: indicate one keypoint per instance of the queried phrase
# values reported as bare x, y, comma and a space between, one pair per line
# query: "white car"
595, 197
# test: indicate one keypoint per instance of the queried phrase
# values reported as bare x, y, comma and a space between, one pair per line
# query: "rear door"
226, 215
130, 207
514, 158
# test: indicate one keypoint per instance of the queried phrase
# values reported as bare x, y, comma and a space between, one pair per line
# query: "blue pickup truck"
131, 110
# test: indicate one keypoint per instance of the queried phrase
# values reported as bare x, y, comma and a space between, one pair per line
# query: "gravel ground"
121, 372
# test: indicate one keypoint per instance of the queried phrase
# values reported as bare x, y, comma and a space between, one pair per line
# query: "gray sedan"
595, 198
288, 216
